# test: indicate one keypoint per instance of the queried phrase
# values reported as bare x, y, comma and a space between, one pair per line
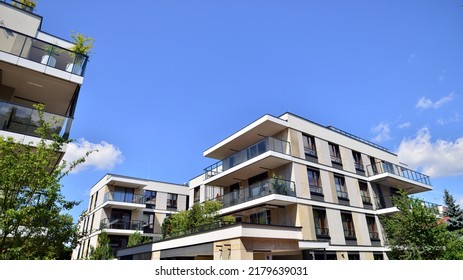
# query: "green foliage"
33, 219
137, 239
199, 217
102, 250
416, 233
452, 212
29, 3
278, 184
82, 44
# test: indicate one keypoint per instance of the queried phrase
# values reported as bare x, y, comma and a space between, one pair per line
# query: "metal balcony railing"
260, 189
322, 231
124, 197
39, 51
24, 120
374, 235
342, 194
349, 233
267, 144
316, 189
387, 167
113, 223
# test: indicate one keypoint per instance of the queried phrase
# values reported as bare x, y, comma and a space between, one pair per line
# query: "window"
335, 154
314, 181
341, 189
309, 146
374, 167
262, 218
372, 229
363, 186
378, 256
353, 256
123, 194
148, 222
172, 200
321, 225
196, 193
91, 203
348, 225
358, 161
96, 200
150, 199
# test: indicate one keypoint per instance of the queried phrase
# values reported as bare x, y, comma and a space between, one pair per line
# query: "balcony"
121, 224
23, 120
26, 7
42, 52
258, 190
268, 154
385, 205
397, 176
124, 200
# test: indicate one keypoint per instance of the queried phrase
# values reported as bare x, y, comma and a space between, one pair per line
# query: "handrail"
387, 167
43, 52
113, 223
25, 120
133, 198
265, 145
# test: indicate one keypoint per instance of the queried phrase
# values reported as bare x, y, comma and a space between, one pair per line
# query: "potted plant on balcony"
279, 185
49, 56
80, 50
27, 5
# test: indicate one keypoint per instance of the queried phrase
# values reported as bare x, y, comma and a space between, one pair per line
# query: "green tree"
199, 217
452, 212
137, 239
103, 249
33, 222
414, 233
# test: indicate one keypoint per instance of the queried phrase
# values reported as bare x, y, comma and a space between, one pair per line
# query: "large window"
335, 154
348, 225
321, 224
196, 194
150, 199
358, 160
364, 193
123, 194
341, 188
172, 200
314, 181
148, 222
372, 229
263, 218
309, 146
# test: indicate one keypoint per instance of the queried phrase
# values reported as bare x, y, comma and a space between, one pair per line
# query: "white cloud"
404, 125
382, 132
104, 157
436, 159
426, 103
454, 118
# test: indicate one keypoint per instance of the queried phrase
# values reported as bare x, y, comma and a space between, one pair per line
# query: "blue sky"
168, 79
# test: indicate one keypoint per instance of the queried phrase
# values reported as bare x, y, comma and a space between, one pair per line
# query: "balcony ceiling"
258, 130
395, 181
37, 87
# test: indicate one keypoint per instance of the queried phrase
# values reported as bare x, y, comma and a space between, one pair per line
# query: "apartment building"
298, 190
121, 206
35, 68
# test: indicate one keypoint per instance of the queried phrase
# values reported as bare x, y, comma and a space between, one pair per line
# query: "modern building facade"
121, 206
35, 68
298, 190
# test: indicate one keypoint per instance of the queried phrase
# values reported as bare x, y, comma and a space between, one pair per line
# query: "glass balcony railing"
265, 145
316, 189
42, 52
257, 190
114, 223
124, 197
322, 231
382, 202
387, 167
24, 120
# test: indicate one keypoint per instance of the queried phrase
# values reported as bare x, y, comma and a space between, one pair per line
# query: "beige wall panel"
323, 152
299, 176
161, 200
156, 255
342, 255
327, 182
332, 187
297, 145
347, 159
354, 192
361, 229
366, 256
335, 227
181, 202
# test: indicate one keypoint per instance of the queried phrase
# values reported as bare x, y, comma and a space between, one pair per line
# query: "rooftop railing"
24, 5
42, 52
24, 120
387, 167
265, 145
258, 190
124, 197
